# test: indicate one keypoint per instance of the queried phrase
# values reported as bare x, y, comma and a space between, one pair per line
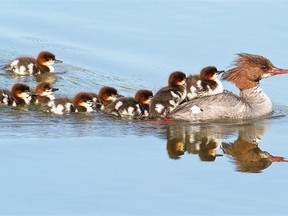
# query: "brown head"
20, 90
45, 88
108, 94
249, 69
47, 58
209, 73
144, 96
176, 79
84, 99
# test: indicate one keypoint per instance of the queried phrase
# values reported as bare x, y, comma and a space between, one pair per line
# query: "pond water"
92, 164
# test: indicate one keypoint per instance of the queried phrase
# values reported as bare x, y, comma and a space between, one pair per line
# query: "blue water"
96, 165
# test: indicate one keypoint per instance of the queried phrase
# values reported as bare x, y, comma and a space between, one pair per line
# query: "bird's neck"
259, 103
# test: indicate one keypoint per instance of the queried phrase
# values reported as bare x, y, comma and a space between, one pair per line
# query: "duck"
246, 73
105, 97
44, 93
131, 107
31, 66
20, 95
169, 97
82, 102
204, 84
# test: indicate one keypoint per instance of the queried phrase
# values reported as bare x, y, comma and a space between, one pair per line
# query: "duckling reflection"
193, 140
246, 153
206, 141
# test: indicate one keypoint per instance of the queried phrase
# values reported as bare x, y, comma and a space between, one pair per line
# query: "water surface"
92, 164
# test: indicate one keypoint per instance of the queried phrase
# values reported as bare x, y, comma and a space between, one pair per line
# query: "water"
93, 164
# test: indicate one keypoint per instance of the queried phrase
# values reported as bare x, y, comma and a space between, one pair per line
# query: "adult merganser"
248, 70
129, 106
82, 102
204, 84
44, 93
169, 97
19, 95
29, 66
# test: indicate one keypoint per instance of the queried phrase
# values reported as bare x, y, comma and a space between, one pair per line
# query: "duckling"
82, 102
32, 66
19, 95
204, 84
106, 96
44, 93
169, 97
129, 106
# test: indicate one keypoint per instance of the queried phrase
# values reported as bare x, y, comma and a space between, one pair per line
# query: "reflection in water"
206, 140
246, 153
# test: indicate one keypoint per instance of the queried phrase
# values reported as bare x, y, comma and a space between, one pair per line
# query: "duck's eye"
264, 67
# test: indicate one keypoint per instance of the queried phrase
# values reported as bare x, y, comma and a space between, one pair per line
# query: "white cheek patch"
159, 108
87, 105
195, 109
111, 98
47, 93
25, 96
266, 75
118, 105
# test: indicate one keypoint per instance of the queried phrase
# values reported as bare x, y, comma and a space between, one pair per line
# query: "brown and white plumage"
246, 73
129, 106
31, 66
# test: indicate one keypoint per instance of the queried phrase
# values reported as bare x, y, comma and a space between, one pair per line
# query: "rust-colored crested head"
18, 89
208, 73
248, 70
177, 78
83, 97
43, 87
107, 93
144, 96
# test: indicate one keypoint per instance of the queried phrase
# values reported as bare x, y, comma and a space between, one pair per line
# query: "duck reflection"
206, 142
193, 140
246, 153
